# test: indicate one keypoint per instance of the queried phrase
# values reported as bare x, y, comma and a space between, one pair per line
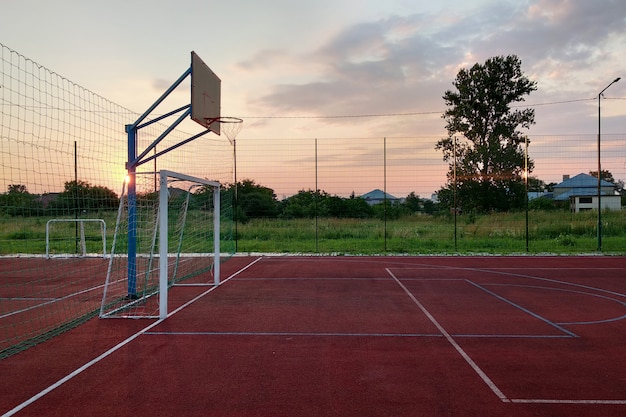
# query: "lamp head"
617, 79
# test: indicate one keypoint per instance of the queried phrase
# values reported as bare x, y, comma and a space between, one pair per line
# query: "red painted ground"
349, 336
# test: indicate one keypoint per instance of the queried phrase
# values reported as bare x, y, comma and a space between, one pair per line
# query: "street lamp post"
526, 174
600, 170
454, 194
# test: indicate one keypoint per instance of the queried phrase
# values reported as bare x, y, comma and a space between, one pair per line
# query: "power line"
350, 116
550, 103
425, 113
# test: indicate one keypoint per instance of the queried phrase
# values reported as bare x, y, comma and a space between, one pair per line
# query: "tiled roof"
583, 181
585, 191
378, 195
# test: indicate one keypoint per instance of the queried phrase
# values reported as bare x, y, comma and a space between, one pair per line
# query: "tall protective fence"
63, 159
320, 183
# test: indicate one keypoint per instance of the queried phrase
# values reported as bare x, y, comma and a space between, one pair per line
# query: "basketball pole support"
134, 161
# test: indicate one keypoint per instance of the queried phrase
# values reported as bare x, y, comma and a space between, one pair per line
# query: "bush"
544, 203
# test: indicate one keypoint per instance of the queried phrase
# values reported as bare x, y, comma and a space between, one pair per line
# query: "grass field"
502, 233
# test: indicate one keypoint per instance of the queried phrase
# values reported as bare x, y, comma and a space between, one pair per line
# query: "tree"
17, 189
413, 203
484, 140
255, 201
605, 175
81, 195
535, 184
303, 205
17, 201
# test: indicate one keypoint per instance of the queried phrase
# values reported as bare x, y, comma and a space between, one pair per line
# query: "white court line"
525, 310
554, 281
486, 378
548, 401
27, 298
312, 334
51, 300
454, 344
295, 334
112, 350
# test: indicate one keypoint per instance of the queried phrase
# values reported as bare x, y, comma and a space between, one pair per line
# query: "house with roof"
582, 193
379, 196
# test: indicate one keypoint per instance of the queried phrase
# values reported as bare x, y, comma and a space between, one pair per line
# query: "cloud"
263, 59
404, 64
390, 65
563, 40
366, 68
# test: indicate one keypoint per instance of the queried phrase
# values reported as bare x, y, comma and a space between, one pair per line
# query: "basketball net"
231, 130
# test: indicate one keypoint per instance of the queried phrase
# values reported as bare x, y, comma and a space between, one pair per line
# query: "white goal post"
163, 232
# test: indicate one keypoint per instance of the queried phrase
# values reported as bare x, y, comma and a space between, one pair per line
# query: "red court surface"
350, 336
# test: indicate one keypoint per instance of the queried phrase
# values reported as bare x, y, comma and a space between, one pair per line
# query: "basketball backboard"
205, 95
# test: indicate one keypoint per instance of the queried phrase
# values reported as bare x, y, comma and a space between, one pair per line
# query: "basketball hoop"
232, 127
230, 124
208, 121
233, 123
230, 120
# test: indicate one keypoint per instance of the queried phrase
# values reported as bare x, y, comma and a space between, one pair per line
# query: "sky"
291, 68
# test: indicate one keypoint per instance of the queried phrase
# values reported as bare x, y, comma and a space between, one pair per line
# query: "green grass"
501, 233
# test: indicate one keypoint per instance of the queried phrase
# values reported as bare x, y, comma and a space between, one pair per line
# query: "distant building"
379, 196
46, 199
582, 193
539, 194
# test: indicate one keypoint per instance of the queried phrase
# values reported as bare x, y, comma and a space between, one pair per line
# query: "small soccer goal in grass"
163, 238
60, 243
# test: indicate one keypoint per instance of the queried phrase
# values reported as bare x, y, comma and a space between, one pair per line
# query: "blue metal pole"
164, 96
131, 130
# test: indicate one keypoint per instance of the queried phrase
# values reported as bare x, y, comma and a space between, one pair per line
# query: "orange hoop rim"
225, 119
230, 119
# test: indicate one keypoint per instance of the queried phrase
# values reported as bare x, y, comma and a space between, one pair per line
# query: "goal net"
176, 232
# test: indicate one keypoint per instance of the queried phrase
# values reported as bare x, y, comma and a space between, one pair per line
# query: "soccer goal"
57, 240
176, 241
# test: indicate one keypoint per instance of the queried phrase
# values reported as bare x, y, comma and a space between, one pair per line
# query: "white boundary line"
484, 377
454, 344
48, 301
521, 308
548, 401
113, 349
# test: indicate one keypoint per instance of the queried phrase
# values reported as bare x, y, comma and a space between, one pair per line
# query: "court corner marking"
494, 388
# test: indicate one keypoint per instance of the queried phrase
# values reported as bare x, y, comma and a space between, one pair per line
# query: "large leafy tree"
17, 201
255, 201
484, 141
305, 204
81, 195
